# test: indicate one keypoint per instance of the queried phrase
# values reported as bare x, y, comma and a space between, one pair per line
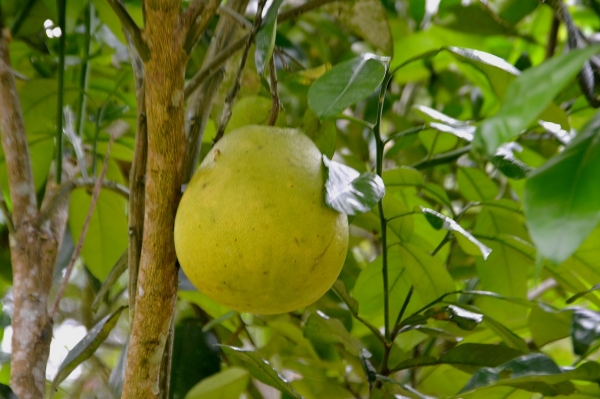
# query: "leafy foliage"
456, 139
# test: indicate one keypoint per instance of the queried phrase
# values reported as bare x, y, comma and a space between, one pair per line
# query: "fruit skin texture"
252, 231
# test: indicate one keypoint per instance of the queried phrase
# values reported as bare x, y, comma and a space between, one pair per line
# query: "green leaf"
195, 357
260, 369
107, 236
322, 133
498, 72
368, 290
85, 348
350, 192
403, 176
527, 96
229, 383
345, 84
366, 19
585, 330
470, 244
534, 372
475, 185
548, 325
326, 330
470, 357
116, 272
508, 164
265, 38
463, 318
477, 19
340, 290
415, 362
561, 202
508, 336
117, 375
583, 293
428, 275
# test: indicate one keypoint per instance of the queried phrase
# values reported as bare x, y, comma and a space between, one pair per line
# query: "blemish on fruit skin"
216, 154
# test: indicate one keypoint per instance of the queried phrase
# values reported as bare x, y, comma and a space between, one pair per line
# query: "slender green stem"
404, 306
83, 78
358, 121
21, 16
61, 7
404, 133
444, 241
379, 169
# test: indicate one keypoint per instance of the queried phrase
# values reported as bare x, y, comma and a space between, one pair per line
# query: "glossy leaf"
585, 330
323, 329
229, 383
561, 202
350, 192
527, 96
86, 347
345, 84
265, 38
469, 357
114, 274
535, 372
366, 19
470, 243
195, 358
508, 164
549, 325
260, 369
475, 185
463, 318
430, 278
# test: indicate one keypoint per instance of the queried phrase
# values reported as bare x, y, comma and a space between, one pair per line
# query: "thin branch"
202, 96
7, 215
61, 5
214, 66
84, 229
274, 93
59, 193
230, 12
304, 8
220, 59
21, 16
442, 158
195, 19
131, 27
238, 79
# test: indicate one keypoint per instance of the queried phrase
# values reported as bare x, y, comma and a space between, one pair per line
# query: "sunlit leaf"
345, 84
265, 38
86, 347
229, 383
350, 192
527, 96
561, 202
440, 221
366, 19
534, 372
585, 330
260, 369
320, 328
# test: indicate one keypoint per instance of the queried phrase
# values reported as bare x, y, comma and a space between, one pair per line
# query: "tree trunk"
34, 246
157, 276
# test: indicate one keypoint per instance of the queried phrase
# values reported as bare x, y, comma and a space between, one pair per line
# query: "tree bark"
34, 246
157, 276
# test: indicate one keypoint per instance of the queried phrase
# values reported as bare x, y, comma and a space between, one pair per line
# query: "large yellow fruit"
252, 231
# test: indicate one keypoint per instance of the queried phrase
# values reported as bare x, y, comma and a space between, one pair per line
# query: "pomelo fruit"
252, 231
